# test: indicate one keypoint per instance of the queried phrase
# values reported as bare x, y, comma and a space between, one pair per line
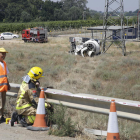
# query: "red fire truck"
36, 34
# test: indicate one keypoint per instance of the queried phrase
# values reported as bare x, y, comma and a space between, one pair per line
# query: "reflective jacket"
3, 78
28, 96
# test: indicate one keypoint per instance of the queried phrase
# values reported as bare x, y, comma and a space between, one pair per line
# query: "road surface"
21, 133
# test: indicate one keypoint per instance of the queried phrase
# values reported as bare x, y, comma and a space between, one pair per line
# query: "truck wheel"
25, 40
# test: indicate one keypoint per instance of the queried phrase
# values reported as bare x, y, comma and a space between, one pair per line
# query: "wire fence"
76, 32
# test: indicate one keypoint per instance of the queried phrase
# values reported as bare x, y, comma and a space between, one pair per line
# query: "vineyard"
50, 25
53, 25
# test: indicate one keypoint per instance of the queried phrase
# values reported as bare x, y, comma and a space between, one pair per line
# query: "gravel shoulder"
21, 133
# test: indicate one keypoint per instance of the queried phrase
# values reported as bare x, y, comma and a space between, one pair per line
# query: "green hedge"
17, 27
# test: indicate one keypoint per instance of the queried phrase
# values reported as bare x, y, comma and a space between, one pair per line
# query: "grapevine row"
56, 25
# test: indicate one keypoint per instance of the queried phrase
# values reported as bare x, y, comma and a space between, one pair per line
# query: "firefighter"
28, 97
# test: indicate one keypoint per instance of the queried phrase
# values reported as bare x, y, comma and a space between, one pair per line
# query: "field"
109, 74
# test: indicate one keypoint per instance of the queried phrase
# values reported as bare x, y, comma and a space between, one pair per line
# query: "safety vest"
21, 97
3, 78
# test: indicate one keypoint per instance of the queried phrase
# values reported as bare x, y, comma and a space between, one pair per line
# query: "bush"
64, 123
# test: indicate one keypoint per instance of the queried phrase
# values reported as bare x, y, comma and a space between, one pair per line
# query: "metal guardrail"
126, 109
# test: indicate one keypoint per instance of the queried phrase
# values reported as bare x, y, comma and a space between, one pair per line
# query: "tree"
48, 10
16, 10
96, 15
25, 17
58, 14
75, 13
3, 5
67, 4
13, 12
71, 10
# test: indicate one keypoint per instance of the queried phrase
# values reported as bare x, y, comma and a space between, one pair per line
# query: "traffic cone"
40, 123
112, 130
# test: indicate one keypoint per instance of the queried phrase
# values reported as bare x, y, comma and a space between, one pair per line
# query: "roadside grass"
109, 74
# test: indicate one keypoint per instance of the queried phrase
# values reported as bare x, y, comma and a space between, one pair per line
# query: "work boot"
22, 121
2, 119
14, 118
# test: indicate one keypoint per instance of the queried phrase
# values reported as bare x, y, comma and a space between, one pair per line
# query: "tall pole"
127, 27
105, 24
139, 23
108, 21
138, 28
122, 28
83, 15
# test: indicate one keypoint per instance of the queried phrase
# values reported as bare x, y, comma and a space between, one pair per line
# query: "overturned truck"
84, 46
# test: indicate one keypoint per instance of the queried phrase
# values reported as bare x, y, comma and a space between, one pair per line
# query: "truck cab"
26, 35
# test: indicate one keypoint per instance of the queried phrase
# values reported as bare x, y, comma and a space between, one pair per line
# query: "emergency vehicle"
36, 34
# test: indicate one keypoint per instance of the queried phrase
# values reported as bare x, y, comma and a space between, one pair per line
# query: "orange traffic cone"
40, 123
112, 130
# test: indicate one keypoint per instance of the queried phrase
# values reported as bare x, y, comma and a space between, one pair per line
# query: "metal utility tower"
113, 8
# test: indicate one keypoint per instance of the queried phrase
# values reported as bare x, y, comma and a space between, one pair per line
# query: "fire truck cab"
35, 35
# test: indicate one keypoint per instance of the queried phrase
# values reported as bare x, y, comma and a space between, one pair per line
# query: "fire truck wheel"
25, 40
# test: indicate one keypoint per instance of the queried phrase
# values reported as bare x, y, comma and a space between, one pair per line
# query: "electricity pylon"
113, 7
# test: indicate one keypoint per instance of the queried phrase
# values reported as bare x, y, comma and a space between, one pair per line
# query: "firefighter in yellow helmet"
28, 96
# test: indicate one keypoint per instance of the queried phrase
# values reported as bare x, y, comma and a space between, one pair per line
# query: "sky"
98, 5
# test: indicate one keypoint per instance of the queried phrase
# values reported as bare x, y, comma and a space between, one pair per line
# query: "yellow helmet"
35, 73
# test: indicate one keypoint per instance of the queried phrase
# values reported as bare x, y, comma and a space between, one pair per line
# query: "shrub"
108, 75
64, 124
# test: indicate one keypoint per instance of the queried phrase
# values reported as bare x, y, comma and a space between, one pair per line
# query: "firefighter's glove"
48, 105
48, 109
37, 83
34, 104
51, 108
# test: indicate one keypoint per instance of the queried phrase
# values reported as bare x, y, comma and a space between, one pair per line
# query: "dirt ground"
18, 41
21, 133
17, 132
